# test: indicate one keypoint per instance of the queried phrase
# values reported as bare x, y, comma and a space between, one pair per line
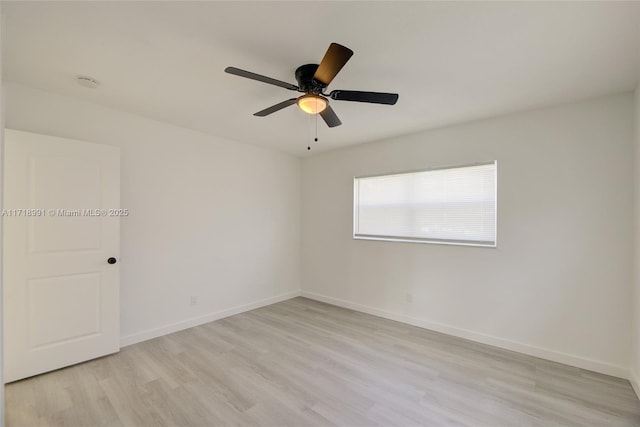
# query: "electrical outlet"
194, 300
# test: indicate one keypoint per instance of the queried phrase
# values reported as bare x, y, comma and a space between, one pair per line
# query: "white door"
61, 225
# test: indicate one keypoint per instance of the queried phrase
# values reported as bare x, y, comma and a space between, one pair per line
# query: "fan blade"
330, 118
373, 97
258, 77
333, 61
276, 107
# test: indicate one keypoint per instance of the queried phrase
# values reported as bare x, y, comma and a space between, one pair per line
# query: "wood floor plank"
306, 363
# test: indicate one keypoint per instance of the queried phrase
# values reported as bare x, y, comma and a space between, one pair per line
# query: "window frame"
484, 244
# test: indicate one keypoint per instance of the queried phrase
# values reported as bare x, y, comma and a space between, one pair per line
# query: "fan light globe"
312, 104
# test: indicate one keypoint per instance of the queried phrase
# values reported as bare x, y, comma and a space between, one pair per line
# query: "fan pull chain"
316, 138
308, 131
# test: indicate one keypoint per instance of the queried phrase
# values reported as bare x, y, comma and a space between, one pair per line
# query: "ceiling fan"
312, 80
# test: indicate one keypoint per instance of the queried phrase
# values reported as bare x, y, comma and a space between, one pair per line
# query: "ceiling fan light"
312, 104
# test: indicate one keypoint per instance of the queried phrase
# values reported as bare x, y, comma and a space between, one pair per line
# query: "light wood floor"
302, 363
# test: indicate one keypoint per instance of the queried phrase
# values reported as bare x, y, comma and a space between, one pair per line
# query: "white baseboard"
555, 356
200, 320
635, 382
569, 359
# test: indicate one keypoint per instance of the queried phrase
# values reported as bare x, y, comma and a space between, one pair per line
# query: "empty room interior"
320, 213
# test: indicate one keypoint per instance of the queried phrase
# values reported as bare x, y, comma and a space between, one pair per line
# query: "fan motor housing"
306, 83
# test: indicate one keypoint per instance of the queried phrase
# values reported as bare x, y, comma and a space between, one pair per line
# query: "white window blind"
454, 205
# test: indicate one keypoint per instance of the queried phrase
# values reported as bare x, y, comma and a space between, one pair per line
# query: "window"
455, 205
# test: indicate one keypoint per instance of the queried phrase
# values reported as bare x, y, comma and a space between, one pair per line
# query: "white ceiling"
449, 61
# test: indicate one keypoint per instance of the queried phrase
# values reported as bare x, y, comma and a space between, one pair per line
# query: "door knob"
112, 260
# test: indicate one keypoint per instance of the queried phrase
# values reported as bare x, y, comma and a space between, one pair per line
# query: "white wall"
209, 217
557, 285
635, 340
